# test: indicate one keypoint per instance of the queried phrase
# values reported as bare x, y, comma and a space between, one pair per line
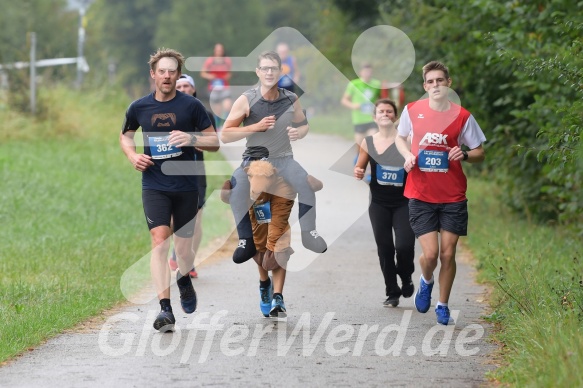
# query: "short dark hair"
271, 55
166, 53
435, 65
388, 102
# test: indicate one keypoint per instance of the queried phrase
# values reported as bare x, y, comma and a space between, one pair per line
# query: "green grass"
537, 273
340, 125
73, 221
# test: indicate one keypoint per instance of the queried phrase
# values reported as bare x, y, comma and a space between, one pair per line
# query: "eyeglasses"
265, 69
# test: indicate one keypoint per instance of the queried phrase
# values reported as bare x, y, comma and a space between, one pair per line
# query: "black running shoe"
407, 287
392, 301
244, 251
187, 294
164, 321
314, 242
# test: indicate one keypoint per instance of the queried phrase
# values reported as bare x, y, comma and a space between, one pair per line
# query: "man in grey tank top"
271, 118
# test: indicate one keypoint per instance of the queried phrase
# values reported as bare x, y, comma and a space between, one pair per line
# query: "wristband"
296, 125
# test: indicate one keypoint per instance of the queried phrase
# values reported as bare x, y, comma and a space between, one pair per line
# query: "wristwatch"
465, 154
193, 140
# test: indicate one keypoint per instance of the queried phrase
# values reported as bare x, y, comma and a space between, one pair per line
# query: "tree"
517, 67
56, 35
122, 33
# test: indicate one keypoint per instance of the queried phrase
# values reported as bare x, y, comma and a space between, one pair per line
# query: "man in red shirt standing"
436, 184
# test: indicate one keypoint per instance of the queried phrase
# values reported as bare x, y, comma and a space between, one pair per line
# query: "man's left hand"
455, 153
179, 138
293, 133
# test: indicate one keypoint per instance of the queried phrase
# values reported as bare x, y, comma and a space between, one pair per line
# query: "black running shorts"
201, 190
161, 206
430, 217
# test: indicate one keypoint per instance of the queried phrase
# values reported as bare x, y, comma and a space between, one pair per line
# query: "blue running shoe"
266, 295
443, 316
187, 294
423, 296
277, 307
164, 321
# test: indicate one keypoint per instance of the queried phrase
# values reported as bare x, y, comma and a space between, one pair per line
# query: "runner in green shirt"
359, 97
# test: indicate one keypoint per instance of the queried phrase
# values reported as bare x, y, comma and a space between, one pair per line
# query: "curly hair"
166, 53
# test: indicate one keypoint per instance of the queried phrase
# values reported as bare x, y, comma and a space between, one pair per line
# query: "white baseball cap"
187, 78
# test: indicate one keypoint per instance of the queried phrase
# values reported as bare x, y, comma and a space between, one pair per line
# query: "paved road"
337, 331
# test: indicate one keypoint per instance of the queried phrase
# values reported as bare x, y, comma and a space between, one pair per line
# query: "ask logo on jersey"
433, 139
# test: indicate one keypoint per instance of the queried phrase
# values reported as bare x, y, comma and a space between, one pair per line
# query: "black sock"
181, 279
265, 283
277, 293
165, 304
241, 255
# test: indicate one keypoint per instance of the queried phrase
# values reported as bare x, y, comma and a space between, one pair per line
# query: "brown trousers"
273, 239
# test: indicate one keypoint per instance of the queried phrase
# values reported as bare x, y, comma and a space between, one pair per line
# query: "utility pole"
80, 43
34, 64
33, 73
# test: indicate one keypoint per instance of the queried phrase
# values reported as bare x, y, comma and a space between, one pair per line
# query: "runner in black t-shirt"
171, 123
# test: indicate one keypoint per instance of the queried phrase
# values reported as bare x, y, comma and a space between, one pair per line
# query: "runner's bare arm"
140, 161
362, 161
208, 140
300, 126
232, 131
347, 102
405, 149
476, 155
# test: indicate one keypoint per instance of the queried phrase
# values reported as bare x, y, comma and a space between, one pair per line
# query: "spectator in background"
217, 71
290, 74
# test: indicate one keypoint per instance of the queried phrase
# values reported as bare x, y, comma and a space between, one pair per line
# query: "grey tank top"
275, 142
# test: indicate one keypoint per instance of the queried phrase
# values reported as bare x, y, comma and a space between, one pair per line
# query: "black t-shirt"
392, 162
199, 156
174, 168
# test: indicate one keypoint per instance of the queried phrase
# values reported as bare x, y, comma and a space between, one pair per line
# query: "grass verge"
71, 206
537, 274
340, 125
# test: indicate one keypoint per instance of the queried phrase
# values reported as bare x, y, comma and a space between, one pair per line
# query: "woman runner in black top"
388, 210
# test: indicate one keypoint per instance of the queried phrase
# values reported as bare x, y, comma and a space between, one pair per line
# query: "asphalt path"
337, 332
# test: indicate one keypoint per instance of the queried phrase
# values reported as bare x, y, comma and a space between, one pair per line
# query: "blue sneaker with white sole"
423, 296
266, 295
277, 307
443, 316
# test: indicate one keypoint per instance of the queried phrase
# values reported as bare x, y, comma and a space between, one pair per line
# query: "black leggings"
384, 220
